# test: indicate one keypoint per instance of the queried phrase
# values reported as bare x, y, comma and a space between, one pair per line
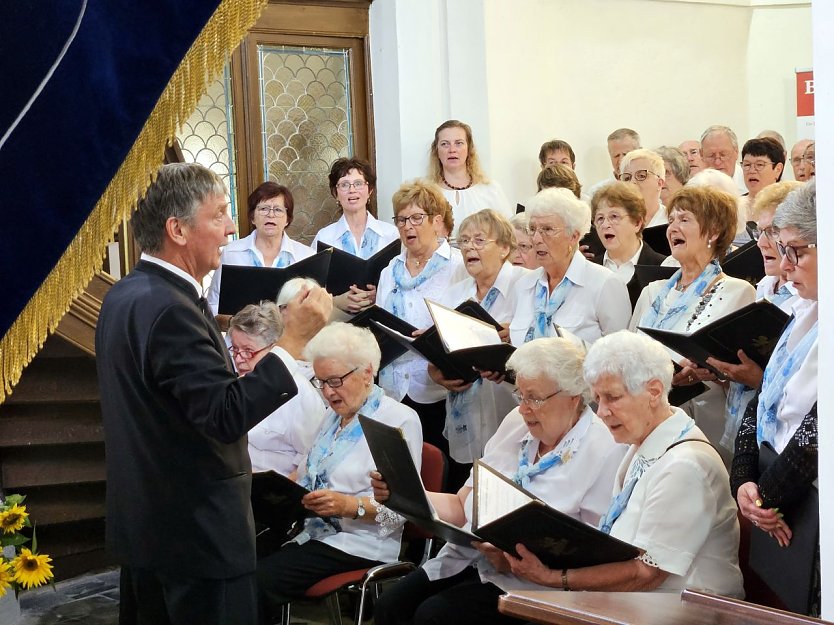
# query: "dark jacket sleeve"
745, 466
187, 367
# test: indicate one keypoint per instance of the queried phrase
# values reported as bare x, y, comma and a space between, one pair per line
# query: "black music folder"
755, 328
346, 269
276, 499
506, 514
240, 286
745, 262
656, 238
374, 316
646, 274
392, 457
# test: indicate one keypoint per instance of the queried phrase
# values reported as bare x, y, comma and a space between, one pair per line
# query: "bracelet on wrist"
565, 585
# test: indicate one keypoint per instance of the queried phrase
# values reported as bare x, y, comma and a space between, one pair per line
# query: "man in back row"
175, 414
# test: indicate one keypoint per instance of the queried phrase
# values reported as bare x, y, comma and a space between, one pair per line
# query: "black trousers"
458, 600
290, 571
149, 597
433, 420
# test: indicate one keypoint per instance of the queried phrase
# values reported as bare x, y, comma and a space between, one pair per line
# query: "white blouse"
280, 441
681, 511
360, 538
597, 303
409, 370
581, 488
332, 234
477, 197
240, 253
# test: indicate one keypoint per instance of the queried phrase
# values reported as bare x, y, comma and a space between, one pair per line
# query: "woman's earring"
709, 244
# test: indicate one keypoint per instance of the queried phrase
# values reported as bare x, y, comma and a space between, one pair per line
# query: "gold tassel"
85, 254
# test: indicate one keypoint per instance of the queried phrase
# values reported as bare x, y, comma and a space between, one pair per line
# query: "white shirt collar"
174, 270
607, 262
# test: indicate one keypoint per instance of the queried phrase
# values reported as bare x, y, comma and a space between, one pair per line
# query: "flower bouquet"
21, 567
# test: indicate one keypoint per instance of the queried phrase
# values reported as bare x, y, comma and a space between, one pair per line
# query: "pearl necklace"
454, 188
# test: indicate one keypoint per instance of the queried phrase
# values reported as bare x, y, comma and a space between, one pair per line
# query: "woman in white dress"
455, 168
358, 232
671, 492
702, 223
568, 290
270, 211
554, 446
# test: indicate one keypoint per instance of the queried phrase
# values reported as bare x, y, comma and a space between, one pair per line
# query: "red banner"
805, 93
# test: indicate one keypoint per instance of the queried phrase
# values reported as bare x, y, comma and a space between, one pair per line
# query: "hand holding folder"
345, 269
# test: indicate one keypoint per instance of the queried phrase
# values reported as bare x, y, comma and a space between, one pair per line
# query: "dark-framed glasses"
334, 382
247, 354
266, 210
790, 251
476, 242
758, 166
416, 219
356, 184
639, 176
534, 402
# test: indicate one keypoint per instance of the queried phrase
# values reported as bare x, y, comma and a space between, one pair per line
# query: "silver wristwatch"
360, 508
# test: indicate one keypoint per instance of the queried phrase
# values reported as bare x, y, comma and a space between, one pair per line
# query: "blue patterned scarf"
545, 307
284, 259
367, 247
561, 454
779, 370
460, 430
329, 450
652, 317
638, 467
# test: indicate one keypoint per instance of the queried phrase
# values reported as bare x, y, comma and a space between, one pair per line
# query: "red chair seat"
333, 583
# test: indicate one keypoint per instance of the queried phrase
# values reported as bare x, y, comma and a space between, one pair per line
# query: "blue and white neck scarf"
367, 247
782, 295
738, 396
545, 307
561, 454
638, 467
652, 317
327, 453
284, 259
779, 370
460, 427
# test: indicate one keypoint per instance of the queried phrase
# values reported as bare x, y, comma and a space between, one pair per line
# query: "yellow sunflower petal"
32, 569
6, 577
13, 519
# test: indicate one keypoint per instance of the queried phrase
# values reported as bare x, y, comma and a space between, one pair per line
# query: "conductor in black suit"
176, 415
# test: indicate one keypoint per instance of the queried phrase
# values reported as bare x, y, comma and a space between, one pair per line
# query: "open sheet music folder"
346, 269
755, 328
373, 318
389, 450
241, 286
505, 514
276, 498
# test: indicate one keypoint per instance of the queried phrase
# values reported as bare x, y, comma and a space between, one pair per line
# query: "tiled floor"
94, 600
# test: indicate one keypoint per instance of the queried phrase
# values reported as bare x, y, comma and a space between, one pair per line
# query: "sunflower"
13, 519
6, 577
31, 569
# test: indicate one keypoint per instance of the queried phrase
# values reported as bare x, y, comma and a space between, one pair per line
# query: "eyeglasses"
266, 211
614, 219
356, 184
639, 176
757, 165
755, 232
334, 382
545, 231
524, 248
416, 219
714, 157
810, 159
247, 354
790, 251
477, 243
534, 402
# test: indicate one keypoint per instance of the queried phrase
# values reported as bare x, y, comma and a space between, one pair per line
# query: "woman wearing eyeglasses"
702, 222
551, 444
455, 168
425, 269
645, 170
345, 534
352, 183
568, 292
279, 442
270, 211
473, 411
783, 415
618, 213
525, 253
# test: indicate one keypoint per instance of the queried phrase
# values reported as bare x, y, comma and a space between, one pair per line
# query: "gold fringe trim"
85, 254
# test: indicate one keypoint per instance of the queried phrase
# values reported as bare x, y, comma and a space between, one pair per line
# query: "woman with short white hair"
671, 493
567, 291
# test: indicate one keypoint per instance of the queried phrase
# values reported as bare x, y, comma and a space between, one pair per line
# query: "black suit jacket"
175, 422
647, 257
